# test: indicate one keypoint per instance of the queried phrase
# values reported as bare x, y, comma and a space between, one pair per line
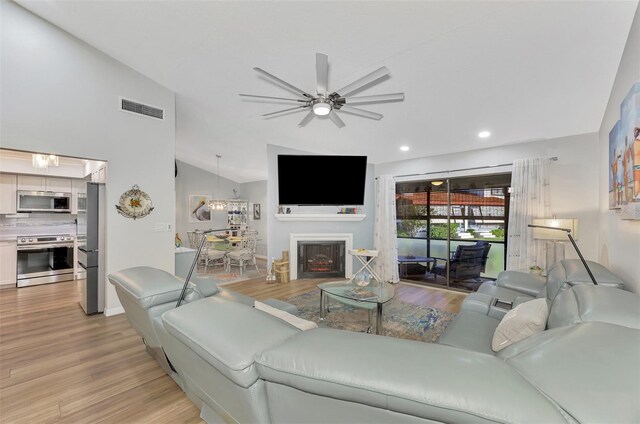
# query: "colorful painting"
199, 208
624, 153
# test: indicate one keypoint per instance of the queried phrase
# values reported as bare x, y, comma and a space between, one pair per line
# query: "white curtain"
529, 199
385, 234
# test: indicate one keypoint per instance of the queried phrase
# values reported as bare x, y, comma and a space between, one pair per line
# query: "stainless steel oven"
44, 259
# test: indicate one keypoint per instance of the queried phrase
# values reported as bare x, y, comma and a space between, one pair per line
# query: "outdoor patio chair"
467, 262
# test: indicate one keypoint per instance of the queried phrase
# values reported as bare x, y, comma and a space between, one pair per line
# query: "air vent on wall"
141, 109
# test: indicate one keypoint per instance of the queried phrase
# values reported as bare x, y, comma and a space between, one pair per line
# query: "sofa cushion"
571, 272
521, 322
148, 286
590, 370
595, 303
207, 285
405, 376
522, 282
226, 334
471, 331
233, 296
297, 322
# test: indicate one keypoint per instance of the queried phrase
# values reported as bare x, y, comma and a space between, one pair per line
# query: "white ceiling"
522, 69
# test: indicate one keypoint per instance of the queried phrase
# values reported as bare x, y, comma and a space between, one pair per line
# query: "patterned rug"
400, 319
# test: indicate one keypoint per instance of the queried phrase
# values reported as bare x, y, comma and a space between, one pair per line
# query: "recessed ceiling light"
404, 148
484, 134
436, 183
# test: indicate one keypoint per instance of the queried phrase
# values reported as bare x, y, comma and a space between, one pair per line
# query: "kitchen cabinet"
31, 183
36, 183
62, 185
100, 175
8, 187
78, 191
8, 262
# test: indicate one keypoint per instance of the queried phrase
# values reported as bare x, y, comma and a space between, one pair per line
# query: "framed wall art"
624, 154
199, 208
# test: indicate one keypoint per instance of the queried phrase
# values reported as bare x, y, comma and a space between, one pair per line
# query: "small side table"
366, 258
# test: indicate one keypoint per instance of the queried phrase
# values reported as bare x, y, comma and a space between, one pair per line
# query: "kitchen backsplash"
37, 224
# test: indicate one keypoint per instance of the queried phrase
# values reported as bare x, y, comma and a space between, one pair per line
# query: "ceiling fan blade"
307, 119
336, 119
322, 72
393, 97
361, 112
284, 110
357, 84
270, 97
286, 84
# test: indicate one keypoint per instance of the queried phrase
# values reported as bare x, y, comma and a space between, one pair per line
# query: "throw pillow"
523, 321
297, 322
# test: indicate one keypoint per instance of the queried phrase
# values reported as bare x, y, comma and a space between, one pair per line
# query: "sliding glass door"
451, 232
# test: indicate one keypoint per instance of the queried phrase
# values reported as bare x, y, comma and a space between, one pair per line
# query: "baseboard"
113, 311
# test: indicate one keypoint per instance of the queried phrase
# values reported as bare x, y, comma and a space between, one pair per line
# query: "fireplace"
295, 239
321, 259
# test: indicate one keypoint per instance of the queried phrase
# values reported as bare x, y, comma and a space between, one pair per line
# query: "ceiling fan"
328, 103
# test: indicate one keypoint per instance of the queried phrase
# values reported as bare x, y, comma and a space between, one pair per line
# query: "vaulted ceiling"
524, 70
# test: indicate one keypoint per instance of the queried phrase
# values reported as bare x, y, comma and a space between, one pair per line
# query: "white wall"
279, 231
619, 246
60, 95
573, 178
194, 180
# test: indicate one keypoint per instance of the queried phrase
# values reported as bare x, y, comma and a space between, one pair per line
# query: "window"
477, 208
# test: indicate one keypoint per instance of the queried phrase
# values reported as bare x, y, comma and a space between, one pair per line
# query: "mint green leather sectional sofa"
239, 364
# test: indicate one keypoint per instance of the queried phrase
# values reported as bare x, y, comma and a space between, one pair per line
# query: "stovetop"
66, 238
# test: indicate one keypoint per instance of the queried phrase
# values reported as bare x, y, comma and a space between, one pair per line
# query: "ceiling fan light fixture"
321, 108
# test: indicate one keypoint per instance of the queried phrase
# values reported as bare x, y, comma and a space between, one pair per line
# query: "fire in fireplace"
321, 259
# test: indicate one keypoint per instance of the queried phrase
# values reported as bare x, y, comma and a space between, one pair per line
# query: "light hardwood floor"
445, 300
58, 365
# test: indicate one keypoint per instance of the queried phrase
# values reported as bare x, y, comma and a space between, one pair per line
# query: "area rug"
400, 319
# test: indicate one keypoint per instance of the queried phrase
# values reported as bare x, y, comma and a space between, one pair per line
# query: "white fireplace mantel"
294, 238
353, 217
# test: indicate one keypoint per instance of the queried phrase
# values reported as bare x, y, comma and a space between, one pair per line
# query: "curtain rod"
553, 159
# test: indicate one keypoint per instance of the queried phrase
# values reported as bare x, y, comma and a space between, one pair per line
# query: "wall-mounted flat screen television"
321, 180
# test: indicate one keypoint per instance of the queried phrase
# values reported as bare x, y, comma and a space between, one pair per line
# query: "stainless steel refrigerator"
91, 248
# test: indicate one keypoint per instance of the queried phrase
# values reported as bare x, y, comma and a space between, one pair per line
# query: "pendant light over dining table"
217, 204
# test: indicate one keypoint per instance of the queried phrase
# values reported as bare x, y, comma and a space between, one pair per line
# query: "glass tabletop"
375, 292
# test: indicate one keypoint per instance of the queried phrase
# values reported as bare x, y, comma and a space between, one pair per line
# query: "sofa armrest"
523, 282
425, 380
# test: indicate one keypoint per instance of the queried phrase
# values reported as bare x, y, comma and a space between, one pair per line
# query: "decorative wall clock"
134, 203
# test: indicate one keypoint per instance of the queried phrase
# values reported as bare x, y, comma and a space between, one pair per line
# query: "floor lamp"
195, 261
554, 240
573, 242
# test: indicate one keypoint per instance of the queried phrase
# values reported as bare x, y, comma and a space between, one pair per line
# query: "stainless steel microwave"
43, 201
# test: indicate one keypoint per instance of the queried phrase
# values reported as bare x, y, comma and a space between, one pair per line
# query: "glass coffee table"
371, 297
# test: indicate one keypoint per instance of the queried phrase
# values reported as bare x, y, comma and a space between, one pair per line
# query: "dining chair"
194, 239
245, 252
